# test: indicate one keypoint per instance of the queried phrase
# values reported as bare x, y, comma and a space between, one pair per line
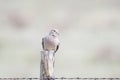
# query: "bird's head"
54, 33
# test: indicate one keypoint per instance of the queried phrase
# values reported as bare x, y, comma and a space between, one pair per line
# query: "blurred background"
89, 35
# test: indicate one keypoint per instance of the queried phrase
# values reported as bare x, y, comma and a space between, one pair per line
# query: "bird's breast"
50, 43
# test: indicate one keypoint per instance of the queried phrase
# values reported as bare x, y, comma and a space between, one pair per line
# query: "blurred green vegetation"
89, 35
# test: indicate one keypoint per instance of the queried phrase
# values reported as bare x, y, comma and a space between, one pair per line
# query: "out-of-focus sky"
89, 35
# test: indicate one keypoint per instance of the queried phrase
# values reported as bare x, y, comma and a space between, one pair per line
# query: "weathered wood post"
50, 45
47, 65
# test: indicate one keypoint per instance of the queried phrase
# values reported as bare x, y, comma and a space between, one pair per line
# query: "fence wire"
62, 78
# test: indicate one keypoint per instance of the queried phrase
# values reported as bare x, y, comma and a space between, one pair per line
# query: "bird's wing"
43, 43
57, 48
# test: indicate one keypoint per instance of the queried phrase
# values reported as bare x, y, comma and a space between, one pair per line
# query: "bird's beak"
53, 35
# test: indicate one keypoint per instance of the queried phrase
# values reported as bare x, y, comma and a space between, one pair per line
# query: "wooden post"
47, 65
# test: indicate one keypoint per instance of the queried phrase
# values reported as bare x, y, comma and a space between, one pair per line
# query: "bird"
51, 41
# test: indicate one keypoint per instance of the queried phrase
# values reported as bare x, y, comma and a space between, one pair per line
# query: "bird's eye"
53, 31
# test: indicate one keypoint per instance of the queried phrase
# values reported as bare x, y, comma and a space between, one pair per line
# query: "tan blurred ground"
90, 37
